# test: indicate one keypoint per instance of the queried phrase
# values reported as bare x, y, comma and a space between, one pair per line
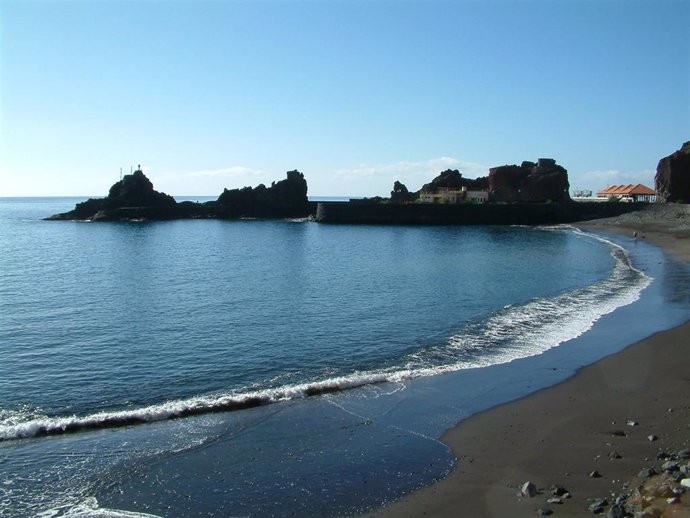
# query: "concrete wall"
469, 214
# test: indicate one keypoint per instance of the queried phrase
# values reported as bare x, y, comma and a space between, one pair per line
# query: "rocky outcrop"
136, 190
544, 181
400, 194
126, 197
284, 199
451, 179
134, 198
672, 180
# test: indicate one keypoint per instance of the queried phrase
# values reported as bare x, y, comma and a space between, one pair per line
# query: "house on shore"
628, 193
452, 196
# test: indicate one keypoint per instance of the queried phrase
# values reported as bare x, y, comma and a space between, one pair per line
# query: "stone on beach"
597, 505
616, 511
558, 490
528, 489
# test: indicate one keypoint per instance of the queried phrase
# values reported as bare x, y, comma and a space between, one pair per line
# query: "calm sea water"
217, 368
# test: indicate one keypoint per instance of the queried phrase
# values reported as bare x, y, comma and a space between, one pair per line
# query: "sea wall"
469, 214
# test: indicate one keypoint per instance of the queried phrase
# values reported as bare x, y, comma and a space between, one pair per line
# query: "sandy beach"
593, 435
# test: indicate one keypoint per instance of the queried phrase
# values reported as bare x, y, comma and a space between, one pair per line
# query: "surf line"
47, 426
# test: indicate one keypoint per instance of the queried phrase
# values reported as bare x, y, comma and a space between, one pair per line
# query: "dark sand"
561, 434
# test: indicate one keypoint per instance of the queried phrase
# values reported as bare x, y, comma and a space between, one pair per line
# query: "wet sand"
562, 434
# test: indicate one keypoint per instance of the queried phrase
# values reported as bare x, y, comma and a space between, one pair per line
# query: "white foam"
89, 508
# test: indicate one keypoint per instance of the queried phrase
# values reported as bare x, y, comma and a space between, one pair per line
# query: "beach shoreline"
599, 420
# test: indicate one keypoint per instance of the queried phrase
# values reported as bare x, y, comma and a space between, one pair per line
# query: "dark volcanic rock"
134, 198
672, 180
135, 190
544, 181
284, 199
452, 179
400, 194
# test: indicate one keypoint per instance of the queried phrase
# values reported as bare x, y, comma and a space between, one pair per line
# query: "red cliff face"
672, 180
529, 182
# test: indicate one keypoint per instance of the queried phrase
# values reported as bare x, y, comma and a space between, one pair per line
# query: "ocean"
285, 368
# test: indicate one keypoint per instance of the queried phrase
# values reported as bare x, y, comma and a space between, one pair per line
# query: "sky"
355, 94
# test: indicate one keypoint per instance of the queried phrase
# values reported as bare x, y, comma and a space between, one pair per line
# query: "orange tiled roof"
622, 190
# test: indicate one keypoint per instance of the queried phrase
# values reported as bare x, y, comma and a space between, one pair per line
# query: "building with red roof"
628, 192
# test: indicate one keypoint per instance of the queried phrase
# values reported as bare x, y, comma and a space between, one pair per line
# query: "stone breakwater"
468, 213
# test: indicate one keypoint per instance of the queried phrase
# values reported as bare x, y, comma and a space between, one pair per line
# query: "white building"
451, 196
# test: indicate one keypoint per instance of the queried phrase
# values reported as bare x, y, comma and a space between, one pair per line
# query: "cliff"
284, 199
530, 182
672, 180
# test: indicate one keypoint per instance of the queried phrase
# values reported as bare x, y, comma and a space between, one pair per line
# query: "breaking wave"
513, 332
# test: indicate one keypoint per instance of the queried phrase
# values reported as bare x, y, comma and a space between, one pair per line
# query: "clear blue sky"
355, 94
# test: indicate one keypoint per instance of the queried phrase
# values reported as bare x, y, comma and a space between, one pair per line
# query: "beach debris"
528, 489
615, 455
632, 422
597, 505
554, 500
595, 474
544, 512
652, 438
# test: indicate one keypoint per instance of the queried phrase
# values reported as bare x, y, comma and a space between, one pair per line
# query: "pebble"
685, 482
595, 474
558, 490
646, 473
615, 455
632, 422
554, 500
528, 489
670, 466
597, 505
652, 438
